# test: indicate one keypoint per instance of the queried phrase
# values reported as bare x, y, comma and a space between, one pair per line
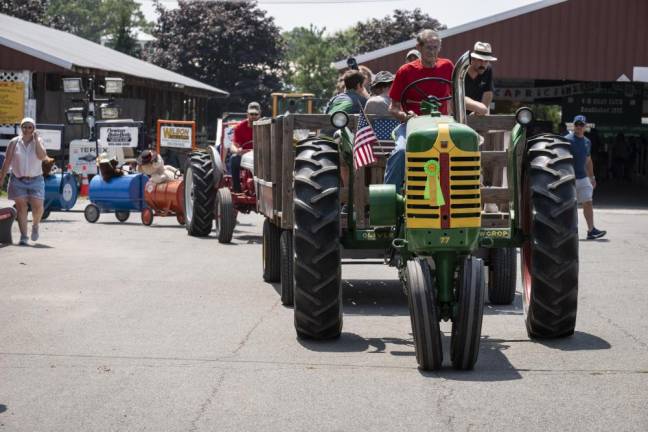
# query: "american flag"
364, 139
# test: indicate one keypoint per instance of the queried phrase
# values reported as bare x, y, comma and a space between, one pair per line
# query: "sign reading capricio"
176, 136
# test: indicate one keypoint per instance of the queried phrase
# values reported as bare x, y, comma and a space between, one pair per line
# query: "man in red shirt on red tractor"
438, 72
242, 142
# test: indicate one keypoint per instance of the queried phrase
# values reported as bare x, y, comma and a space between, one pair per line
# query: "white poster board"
84, 153
118, 136
176, 136
52, 138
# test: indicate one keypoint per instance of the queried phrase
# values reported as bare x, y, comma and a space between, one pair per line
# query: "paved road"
122, 327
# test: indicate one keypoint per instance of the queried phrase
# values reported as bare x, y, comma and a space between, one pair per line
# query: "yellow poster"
12, 102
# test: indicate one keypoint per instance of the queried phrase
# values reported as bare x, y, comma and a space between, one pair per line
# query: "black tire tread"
204, 194
552, 307
271, 252
227, 221
317, 290
502, 274
424, 316
287, 275
466, 326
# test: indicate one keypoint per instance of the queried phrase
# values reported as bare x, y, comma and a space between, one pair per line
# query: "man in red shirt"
242, 141
428, 42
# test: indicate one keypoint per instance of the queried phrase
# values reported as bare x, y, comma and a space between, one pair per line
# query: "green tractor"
432, 231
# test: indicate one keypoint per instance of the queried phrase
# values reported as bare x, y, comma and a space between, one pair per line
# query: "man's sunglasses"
579, 124
27, 127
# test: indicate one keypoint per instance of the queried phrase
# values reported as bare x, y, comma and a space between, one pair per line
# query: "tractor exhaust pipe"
458, 89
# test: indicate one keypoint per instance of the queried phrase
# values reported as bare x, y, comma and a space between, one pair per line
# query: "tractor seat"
247, 161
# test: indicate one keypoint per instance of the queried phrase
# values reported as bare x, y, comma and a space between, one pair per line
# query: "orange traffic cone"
84, 182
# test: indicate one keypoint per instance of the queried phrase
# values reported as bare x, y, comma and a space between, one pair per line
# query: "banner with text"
176, 136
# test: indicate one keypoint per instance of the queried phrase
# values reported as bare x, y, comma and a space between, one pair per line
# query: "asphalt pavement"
122, 327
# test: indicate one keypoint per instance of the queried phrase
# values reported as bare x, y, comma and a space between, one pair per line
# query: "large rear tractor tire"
502, 274
199, 194
287, 275
424, 315
466, 325
225, 215
550, 256
317, 290
271, 252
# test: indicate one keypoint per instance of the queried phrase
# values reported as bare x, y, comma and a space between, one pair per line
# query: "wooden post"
288, 167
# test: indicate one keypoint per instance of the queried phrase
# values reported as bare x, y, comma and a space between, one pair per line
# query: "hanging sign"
12, 102
118, 136
176, 136
52, 136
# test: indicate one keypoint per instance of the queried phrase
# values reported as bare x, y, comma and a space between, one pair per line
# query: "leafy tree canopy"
28, 10
114, 20
310, 52
309, 55
231, 45
94, 19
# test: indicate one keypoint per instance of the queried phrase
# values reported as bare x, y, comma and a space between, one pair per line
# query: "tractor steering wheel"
414, 85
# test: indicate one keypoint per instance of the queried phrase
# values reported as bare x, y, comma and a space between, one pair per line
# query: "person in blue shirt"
581, 148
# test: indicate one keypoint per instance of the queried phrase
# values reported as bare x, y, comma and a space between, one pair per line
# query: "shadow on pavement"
492, 364
41, 246
579, 341
3, 408
351, 342
248, 238
374, 297
513, 309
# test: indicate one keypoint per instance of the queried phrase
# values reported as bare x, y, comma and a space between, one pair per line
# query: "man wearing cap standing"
479, 78
26, 184
584, 170
412, 55
379, 103
242, 141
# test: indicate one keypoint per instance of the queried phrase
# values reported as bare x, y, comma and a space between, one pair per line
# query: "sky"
340, 14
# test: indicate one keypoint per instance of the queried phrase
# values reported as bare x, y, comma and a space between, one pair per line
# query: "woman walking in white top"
26, 184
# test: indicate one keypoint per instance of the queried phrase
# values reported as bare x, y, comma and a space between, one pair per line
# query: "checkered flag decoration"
364, 139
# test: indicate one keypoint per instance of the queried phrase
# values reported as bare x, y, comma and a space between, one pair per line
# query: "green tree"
112, 20
402, 25
309, 56
231, 45
28, 10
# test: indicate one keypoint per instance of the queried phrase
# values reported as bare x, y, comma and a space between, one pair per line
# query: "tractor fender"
219, 167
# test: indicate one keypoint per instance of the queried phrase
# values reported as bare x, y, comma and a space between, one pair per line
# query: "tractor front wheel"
225, 216
466, 325
424, 315
550, 255
317, 290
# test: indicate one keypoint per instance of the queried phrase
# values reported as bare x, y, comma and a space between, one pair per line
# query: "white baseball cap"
27, 120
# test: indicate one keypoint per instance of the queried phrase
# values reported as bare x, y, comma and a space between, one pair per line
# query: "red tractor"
209, 194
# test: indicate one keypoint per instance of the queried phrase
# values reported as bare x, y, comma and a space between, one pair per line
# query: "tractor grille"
460, 183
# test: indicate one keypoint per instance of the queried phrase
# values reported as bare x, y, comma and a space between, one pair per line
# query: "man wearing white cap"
479, 79
412, 55
26, 185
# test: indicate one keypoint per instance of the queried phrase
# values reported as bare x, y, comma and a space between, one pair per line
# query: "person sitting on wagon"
242, 141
